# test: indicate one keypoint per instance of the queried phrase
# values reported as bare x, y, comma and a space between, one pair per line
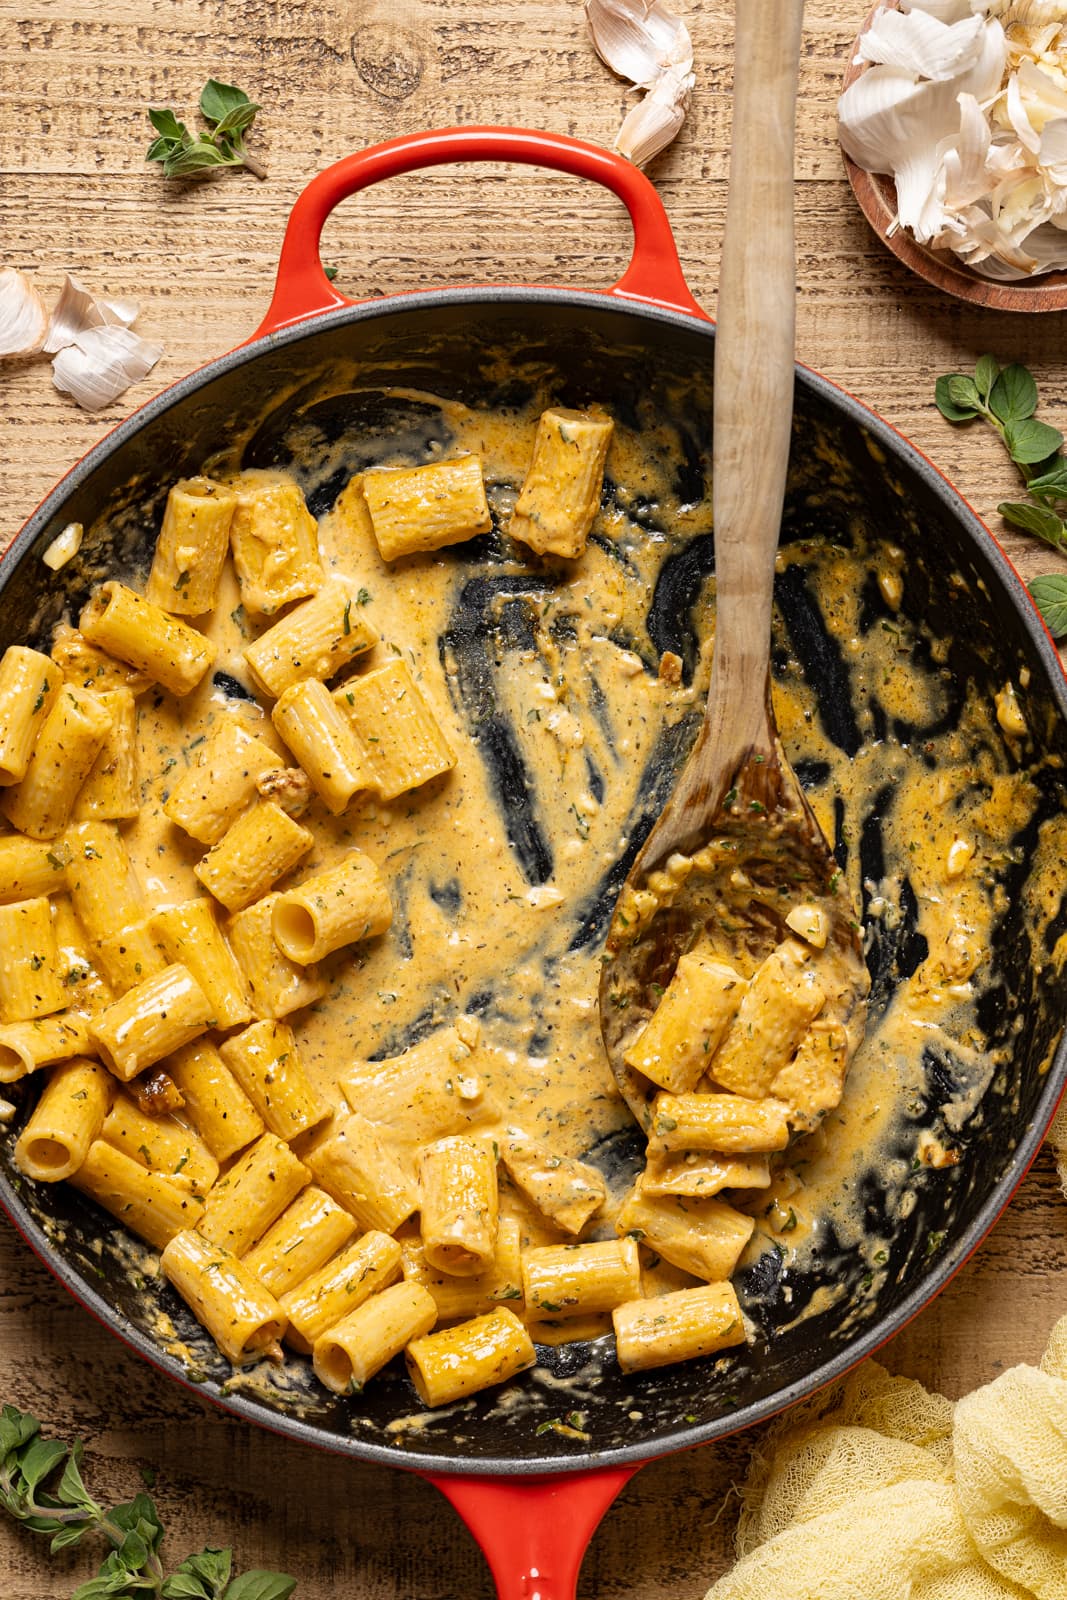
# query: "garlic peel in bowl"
649, 45
965, 107
102, 364
23, 318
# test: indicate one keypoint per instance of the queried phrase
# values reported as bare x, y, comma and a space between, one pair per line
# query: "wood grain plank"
75, 194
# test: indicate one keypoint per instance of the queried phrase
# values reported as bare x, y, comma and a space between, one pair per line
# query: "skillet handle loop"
534, 1531
303, 290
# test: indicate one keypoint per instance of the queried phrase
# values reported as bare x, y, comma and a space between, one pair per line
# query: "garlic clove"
23, 318
102, 364
638, 38
77, 309
918, 43
650, 125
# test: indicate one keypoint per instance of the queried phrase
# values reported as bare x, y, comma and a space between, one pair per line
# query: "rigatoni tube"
457, 1177
457, 1362
275, 543
322, 742
560, 497
212, 793
676, 1046
358, 1168
29, 867
315, 640
277, 985
424, 508
342, 906
256, 850
225, 1298
367, 1339
29, 682
400, 739
161, 1144
67, 745
265, 1061
461, 1298
123, 623
26, 1046
252, 1194
189, 933
100, 877
720, 1122
306, 1235
575, 1280
29, 981
361, 1269
677, 1327
193, 543
129, 956
145, 1202
112, 787
704, 1237
149, 1021
65, 1121
215, 1103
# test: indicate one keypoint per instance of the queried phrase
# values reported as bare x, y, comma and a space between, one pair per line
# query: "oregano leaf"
1013, 397
257, 1585
1030, 441
986, 374
945, 403
1050, 598
217, 100
1036, 520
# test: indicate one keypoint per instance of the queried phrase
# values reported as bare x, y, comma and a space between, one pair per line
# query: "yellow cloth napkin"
879, 1490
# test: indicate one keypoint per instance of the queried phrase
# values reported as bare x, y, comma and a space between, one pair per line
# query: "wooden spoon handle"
754, 361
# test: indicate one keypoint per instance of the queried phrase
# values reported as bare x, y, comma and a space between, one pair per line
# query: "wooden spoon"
737, 848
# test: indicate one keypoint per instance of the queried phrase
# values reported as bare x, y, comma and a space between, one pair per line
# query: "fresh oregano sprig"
229, 113
1006, 398
41, 1486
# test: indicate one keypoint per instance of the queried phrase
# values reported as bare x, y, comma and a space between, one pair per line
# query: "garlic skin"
965, 106
23, 318
77, 309
649, 45
102, 364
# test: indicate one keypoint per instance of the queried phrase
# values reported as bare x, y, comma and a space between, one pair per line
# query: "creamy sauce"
503, 874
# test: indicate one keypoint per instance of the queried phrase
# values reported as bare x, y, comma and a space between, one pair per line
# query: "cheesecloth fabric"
878, 1490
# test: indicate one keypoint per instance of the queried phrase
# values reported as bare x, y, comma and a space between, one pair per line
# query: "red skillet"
533, 1497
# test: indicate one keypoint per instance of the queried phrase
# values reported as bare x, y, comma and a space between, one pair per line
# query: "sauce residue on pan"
546, 678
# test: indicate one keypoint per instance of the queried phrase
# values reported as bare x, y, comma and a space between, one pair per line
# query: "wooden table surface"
75, 194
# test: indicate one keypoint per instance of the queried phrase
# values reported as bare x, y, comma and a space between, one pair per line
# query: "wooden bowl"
877, 198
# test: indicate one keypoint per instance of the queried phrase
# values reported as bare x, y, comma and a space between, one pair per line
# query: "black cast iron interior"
959, 588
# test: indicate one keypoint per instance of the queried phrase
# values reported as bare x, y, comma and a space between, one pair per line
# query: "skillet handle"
303, 290
534, 1531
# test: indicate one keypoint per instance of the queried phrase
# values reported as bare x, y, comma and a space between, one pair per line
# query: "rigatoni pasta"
149, 1021
343, 906
66, 1119
74, 731
423, 1200
29, 683
314, 640
123, 623
275, 543
192, 547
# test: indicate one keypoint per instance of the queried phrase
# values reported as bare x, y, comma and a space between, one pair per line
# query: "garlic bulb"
965, 105
102, 363
23, 319
646, 43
